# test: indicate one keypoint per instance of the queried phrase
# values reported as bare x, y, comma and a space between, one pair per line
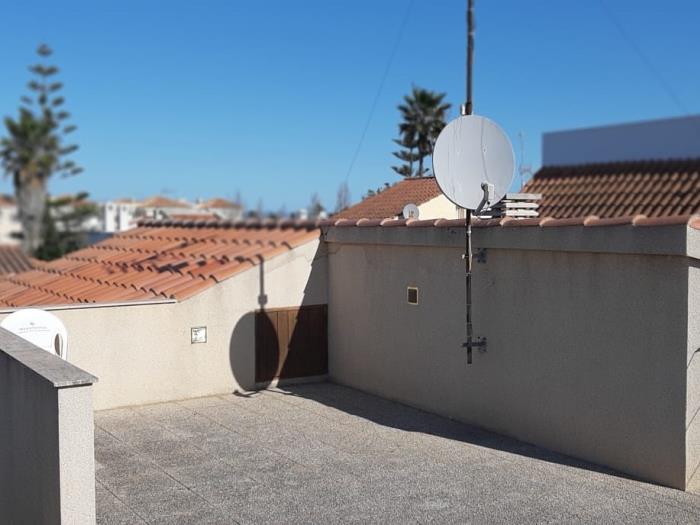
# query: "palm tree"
423, 114
34, 148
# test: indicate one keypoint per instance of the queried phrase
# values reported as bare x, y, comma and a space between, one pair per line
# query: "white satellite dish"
40, 328
410, 211
473, 162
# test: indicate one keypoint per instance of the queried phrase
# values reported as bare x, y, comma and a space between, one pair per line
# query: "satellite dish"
410, 211
40, 328
473, 162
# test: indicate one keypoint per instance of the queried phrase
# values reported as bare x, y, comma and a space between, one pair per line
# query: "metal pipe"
468, 258
470, 56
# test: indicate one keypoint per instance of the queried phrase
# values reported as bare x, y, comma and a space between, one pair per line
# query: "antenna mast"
468, 109
523, 169
473, 162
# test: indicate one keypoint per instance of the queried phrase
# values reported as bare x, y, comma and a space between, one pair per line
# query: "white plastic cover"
40, 328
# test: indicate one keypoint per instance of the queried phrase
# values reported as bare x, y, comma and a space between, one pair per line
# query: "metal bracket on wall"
480, 343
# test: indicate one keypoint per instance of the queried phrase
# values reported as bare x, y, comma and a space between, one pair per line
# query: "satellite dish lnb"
40, 328
473, 162
410, 211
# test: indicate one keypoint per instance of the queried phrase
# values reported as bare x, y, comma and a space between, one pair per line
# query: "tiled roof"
163, 202
391, 201
158, 259
218, 203
194, 217
618, 189
7, 200
13, 260
592, 221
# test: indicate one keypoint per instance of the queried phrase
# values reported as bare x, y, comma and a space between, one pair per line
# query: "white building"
118, 215
660, 139
222, 208
10, 227
390, 202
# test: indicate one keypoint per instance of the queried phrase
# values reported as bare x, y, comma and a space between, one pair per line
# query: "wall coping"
672, 239
85, 306
59, 373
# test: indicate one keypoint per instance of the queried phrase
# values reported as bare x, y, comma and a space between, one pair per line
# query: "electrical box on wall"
198, 334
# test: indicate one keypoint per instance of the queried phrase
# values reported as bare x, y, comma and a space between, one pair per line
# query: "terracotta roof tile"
153, 261
692, 221
391, 201
13, 260
218, 203
159, 201
617, 189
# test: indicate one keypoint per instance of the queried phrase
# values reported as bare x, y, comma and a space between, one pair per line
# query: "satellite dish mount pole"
467, 109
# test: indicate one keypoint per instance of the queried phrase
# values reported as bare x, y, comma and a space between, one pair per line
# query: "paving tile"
204, 471
144, 482
324, 453
204, 516
224, 491
158, 504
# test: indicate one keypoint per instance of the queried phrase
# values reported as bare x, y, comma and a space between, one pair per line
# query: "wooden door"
291, 342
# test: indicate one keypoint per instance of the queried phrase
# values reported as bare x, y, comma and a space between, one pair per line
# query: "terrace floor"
323, 453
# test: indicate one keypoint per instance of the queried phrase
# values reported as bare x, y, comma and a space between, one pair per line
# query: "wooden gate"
291, 342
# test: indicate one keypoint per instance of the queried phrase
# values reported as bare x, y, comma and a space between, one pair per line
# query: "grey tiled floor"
327, 454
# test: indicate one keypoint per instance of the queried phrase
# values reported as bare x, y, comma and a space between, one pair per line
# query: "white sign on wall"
198, 334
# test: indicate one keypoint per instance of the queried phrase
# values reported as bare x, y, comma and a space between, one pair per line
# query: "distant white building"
160, 207
10, 227
660, 139
222, 208
118, 215
122, 214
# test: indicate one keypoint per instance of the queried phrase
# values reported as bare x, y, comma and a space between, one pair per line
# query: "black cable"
645, 59
379, 89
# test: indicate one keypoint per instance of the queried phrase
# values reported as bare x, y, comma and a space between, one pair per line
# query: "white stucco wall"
587, 350
669, 138
693, 395
438, 208
142, 353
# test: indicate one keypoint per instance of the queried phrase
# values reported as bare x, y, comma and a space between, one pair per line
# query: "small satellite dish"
40, 328
473, 162
410, 211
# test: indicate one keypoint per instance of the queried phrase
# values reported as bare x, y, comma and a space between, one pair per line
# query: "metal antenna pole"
467, 109
470, 55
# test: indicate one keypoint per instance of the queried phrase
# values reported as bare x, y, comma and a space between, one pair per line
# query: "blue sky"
270, 98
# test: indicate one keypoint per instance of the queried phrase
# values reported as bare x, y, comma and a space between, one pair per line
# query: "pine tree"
34, 149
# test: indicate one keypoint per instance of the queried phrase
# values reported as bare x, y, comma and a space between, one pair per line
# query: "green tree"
35, 148
63, 225
315, 208
423, 115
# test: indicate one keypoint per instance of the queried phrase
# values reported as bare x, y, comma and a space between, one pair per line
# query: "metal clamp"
480, 343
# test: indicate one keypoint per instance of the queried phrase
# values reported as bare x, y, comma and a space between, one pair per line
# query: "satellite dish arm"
489, 195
